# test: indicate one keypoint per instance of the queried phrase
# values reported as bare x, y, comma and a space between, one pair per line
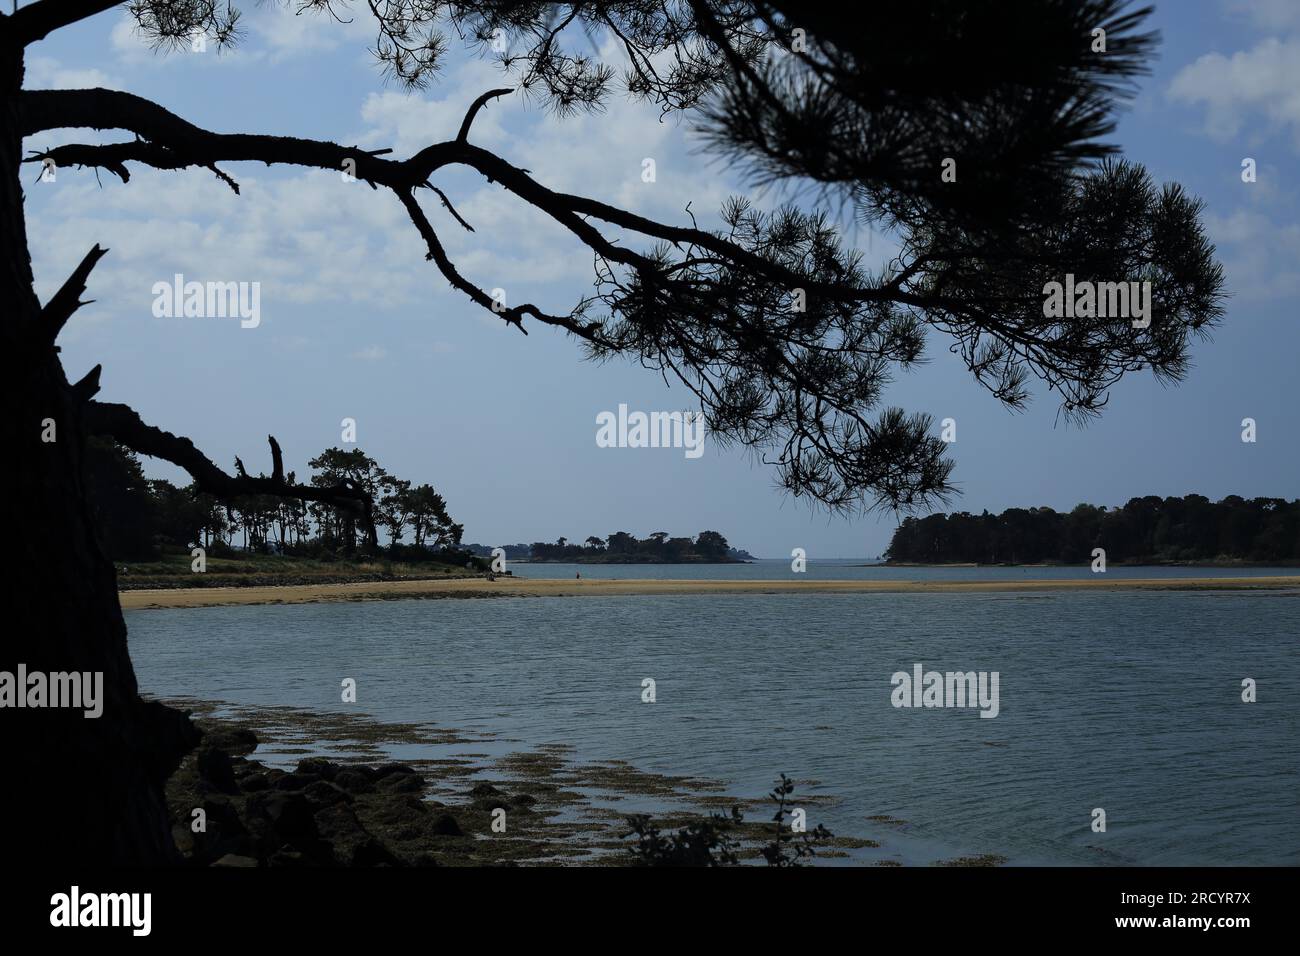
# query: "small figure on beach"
578, 575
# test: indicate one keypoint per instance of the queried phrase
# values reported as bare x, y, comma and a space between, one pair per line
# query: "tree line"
142, 518
624, 548
1145, 530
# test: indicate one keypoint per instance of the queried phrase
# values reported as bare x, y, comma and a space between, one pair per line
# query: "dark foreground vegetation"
1147, 530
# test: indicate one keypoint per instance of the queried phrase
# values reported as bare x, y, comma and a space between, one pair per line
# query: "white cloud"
127, 43
285, 31
371, 353
1259, 256
268, 33
309, 240
1264, 80
409, 121
48, 73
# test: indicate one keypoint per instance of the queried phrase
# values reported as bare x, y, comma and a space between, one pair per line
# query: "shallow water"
858, 569
1130, 702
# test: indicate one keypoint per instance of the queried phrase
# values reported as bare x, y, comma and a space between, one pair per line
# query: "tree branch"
478, 104
108, 109
438, 255
38, 20
67, 300
124, 425
446, 204
173, 142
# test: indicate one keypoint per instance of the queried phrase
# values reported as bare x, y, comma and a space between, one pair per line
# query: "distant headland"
707, 547
1145, 531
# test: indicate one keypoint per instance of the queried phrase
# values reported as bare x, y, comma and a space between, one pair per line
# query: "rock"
322, 793
402, 783
370, 852
339, 824
215, 770
254, 783
295, 781
233, 740
183, 837
354, 781
398, 814
444, 824
318, 767
353, 845
287, 818
389, 769
225, 835
231, 859
484, 790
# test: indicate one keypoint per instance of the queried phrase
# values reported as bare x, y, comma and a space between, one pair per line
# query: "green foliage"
712, 841
127, 517
138, 518
788, 848
622, 547
1149, 529
705, 842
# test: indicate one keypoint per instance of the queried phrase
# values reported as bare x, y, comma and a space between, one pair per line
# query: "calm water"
1125, 701
857, 569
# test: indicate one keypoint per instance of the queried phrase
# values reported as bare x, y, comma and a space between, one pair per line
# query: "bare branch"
478, 104
446, 203
439, 256
125, 426
88, 386
38, 20
277, 459
67, 300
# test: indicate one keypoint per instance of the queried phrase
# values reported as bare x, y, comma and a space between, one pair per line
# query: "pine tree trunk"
75, 789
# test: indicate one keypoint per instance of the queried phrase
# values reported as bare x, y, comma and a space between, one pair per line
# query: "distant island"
1150, 530
707, 547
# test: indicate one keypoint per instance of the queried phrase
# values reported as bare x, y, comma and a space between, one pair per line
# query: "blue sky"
355, 323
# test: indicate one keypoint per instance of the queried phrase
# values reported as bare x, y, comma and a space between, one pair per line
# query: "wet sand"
589, 587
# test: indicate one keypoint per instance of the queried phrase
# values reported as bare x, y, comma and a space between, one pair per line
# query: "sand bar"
588, 587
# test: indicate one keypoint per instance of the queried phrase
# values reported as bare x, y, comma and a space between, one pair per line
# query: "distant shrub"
702, 843
711, 841
788, 848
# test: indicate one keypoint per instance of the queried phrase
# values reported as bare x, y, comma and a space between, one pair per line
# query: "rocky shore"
326, 813
350, 810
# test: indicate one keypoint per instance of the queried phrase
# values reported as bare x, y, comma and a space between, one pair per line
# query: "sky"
354, 323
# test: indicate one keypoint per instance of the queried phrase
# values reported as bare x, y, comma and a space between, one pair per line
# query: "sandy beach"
589, 587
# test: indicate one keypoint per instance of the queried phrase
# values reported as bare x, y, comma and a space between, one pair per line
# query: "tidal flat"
283, 786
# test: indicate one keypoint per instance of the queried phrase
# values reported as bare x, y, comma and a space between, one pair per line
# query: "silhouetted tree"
128, 514
783, 335
1145, 529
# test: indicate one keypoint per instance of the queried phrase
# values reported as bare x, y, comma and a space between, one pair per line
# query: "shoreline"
285, 786
503, 587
